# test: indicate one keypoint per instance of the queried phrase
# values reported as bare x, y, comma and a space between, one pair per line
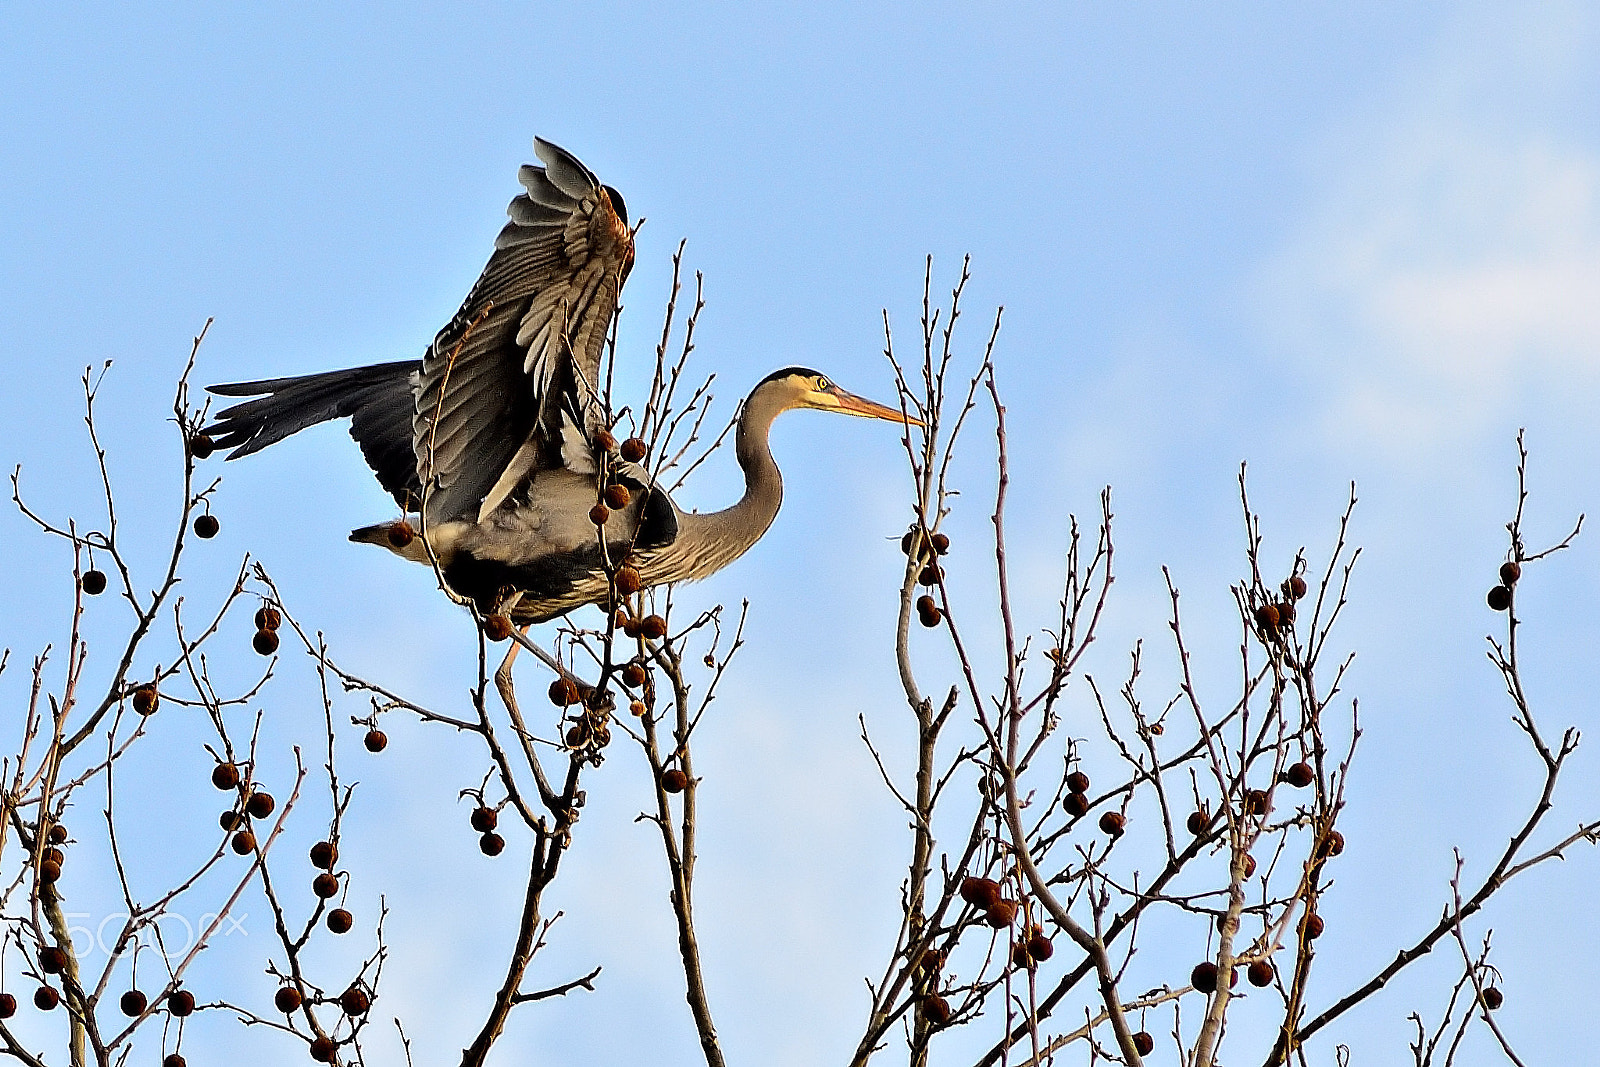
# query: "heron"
495, 443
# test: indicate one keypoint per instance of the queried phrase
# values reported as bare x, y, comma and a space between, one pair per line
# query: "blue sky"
1337, 242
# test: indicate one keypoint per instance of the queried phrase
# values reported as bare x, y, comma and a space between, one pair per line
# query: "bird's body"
494, 438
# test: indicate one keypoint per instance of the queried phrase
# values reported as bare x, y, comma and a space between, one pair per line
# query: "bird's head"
802, 387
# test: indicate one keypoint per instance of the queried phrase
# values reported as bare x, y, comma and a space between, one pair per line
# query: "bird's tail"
285, 406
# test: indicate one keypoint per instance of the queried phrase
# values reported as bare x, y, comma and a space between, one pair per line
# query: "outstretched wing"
510, 386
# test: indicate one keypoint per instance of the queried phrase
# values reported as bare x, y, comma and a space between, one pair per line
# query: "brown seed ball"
1113, 823
1204, 977
225, 776
1298, 775
1256, 802
1332, 845
54, 855
936, 1010
57, 834
181, 1003
324, 855
49, 872
1077, 782
1313, 926
268, 618
1249, 864
146, 700
201, 446
674, 780
1260, 973
633, 627
981, 893
1499, 598
172, 1059
133, 1003
599, 514
653, 627
354, 1001
926, 604
322, 1049
244, 842
1509, 573
1019, 956
617, 497
1040, 947
1267, 617
230, 821
497, 627
287, 999
633, 676
1198, 822
634, 450
8, 1005
1492, 998
931, 573
206, 526
52, 960
265, 642
1144, 1043
906, 541
930, 618
564, 692
375, 740
1286, 613
628, 581
1075, 805
400, 534
604, 441
576, 736
325, 885
941, 543
636, 708
491, 844
340, 921
93, 582
45, 998
1297, 587
1001, 913
260, 804
484, 819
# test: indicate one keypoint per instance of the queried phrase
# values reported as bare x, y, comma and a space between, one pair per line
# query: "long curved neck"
723, 536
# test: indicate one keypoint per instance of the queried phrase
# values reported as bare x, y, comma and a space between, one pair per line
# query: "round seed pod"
931, 617
375, 740
244, 842
1204, 977
497, 627
49, 872
599, 514
1198, 822
936, 1010
1113, 823
1144, 1042
1267, 618
1260, 973
1492, 997
1298, 775
634, 450
324, 855
268, 618
1331, 845
93, 582
931, 573
484, 819
173, 1059
46, 998
1001, 913
225, 776
400, 534
52, 960
206, 526
1040, 947
340, 921
1297, 587
1019, 956
181, 1003
1286, 613
53, 855
1075, 805
941, 543
653, 627
636, 708
633, 676
576, 736
133, 1003
146, 700
1256, 802
260, 804
564, 692
491, 844
57, 834
981, 893
201, 446
1077, 782
8, 1005
322, 1049
617, 497
1249, 864
674, 780
1313, 926
1499, 598
1509, 573
230, 821
628, 581
265, 642
604, 441
325, 885
354, 1001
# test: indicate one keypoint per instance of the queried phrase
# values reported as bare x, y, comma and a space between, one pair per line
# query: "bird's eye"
822, 383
